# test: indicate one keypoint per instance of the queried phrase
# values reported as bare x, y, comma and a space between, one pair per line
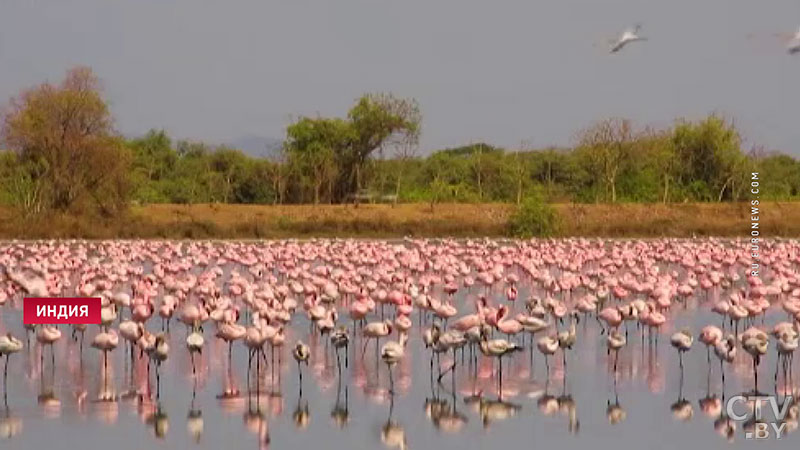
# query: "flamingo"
230, 332
301, 352
548, 346
497, 348
158, 354
449, 340
48, 335
391, 353
8, 346
682, 342
615, 341
566, 339
709, 336
725, 349
254, 340
375, 330
611, 316
755, 342
194, 343
510, 327
106, 341
340, 339
787, 343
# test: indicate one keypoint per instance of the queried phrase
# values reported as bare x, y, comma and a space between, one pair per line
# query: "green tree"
311, 146
63, 134
710, 156
779, 177
606, 147
375, 120
534, 218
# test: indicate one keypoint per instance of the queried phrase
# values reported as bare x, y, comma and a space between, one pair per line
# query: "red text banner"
52, 310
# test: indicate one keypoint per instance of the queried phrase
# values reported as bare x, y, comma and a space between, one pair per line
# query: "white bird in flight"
628, 36
794, 44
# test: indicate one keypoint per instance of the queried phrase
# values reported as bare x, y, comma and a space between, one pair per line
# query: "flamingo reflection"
393, 434
194, 419
341, 411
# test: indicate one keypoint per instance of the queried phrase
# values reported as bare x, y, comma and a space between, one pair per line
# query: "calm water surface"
648, 404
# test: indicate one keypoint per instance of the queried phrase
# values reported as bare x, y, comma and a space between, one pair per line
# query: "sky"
501, 71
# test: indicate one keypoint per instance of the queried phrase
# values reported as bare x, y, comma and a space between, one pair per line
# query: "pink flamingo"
106, 342
508, 326
375, 330
709, 336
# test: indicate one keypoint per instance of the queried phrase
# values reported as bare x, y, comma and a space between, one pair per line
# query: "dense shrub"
534, 218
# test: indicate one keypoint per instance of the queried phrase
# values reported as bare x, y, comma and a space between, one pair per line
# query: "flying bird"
793, 46
628, 36
790, 39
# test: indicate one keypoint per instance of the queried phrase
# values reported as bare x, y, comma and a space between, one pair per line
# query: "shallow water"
51, 406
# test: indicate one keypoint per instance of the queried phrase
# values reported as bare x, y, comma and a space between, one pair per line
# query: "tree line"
64, 154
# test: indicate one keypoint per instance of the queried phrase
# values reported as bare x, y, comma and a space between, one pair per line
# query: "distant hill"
256, 145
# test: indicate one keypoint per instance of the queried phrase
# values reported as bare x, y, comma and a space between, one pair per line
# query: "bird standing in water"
301, 352
391, 353
682, 342
8, 346
158, 354
615, 341
340, 339
194, 343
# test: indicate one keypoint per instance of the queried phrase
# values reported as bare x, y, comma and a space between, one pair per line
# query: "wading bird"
615, 341
301, 352
391, 353
8, 346
682, 342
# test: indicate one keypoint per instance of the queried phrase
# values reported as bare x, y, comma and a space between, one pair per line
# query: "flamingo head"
501, 313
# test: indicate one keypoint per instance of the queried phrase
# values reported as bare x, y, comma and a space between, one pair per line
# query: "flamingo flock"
486, 301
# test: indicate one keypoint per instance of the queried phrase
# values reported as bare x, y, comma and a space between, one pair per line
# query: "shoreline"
238, 222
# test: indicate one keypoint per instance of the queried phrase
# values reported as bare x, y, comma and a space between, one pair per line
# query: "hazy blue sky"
501, 71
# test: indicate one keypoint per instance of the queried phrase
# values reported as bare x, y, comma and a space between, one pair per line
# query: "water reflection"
682, 409
443, 411
466, 394
498, 410
301, 414
159, 421
725, 427
194, 419
614, 411
255, 420
10, 424
340, 413
393, 434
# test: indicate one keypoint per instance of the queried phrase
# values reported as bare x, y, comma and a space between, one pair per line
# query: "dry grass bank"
265, 221
679, 220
